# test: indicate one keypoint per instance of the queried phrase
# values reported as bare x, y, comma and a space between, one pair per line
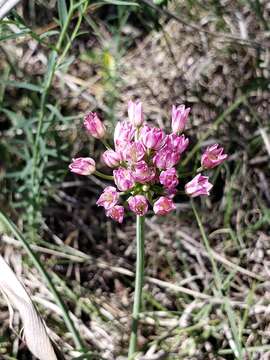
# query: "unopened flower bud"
179, 118
83, 166
135, 113
111, 158
94, 125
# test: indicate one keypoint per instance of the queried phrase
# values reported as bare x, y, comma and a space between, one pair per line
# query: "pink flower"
166, 158
135, 113
83, 166
123, 179
152, 138
177, 143
134, 152
213, 156
138, 204
94, 125
108, 198
122, 149
169, 178
143, 173
163, 206
116, 213
198, 186
123, 134
179, 118
111, 158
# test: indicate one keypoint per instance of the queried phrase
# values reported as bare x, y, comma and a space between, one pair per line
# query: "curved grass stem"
140, 223
8, 224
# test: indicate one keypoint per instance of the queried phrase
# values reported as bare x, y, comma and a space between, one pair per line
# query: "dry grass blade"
35, 332
266, 140
6, 6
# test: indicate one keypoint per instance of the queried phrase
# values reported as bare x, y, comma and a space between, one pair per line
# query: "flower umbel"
145, 162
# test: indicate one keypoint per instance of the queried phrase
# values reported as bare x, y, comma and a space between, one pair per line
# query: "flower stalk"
140, 224
103, 176
144, 159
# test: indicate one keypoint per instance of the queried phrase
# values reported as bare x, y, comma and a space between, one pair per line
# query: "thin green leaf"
48, 34
24, 85
236, 345
50, 69
14, 36
62, 11
76, 6
59, 116
4, 79
119, 2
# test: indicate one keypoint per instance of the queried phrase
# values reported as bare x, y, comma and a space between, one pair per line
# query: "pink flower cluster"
144, 162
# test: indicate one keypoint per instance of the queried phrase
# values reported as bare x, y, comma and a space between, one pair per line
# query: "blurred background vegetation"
60, 59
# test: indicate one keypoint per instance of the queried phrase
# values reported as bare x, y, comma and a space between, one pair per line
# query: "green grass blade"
24, 85
218, 281
119, 2
62, 11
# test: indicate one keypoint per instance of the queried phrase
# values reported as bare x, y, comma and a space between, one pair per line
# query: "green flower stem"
11, 227
140, 220
106, 144
103, 176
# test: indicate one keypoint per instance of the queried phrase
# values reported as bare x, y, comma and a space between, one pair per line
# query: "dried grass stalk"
6, 6
35, 333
